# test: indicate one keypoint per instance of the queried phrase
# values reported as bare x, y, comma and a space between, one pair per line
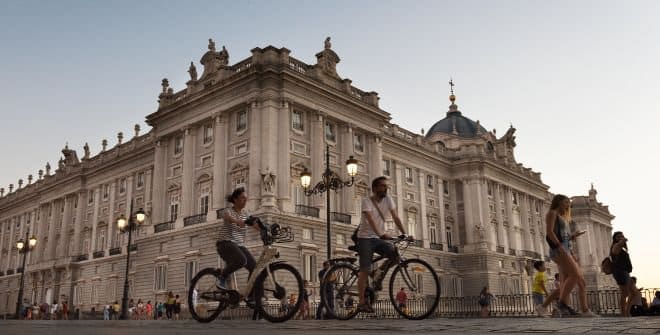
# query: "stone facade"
478, 214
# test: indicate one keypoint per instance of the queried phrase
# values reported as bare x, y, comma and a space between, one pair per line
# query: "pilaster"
219, 161
187, 182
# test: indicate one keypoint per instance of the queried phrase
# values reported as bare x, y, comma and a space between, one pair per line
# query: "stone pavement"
605, 325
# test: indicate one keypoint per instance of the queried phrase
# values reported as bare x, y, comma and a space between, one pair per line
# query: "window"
490, 189
122, 186
307, 234
448, 235
386, 167
445, 187
410, 196
241, 120
408, 175
190, 271
174, 207
106, 191
178, 145
204, 203
412, 222
208, 133
514, 197
433, 220
429, 181
329, 132
101, 240
309, 267
299, 196
297, 120
241, 148
358, 142
160, 277
176, 171
206, 161
90, 197
140, 179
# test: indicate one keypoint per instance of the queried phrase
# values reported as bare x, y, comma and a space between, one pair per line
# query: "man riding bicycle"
372, 236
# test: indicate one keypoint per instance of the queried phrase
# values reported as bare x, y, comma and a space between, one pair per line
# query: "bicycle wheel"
205, 300
414, 289
340, 292
279, 293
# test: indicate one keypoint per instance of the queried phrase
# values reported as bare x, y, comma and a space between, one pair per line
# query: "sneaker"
220, 284
566, 309
541, 312
365, 308
589, 314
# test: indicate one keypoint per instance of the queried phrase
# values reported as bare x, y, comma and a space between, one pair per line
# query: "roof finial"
452, 97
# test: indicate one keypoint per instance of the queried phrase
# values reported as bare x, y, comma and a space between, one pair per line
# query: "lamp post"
22, 248
124, 226
329, 181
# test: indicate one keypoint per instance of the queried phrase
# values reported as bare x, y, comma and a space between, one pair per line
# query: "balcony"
307, 211
165, 226
417, 243
340, 217
512, 252
115, 251
500, 249
19, 270
10, 272
132, 247
81, 258
436, 246
453, 248
98, 254
195, 219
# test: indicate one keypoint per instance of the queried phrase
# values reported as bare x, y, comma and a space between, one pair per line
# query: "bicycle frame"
268, 253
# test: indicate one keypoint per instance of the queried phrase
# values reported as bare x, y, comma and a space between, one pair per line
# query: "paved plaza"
606, 325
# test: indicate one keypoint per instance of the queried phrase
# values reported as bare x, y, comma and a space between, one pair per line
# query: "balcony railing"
195, 219
132, 247
115, 251
340, 217
436, 246
165, 226
19, 270
512, 252
453, 248
500, 249
307, 210
98, 254
81, 258
417, 243
10, 272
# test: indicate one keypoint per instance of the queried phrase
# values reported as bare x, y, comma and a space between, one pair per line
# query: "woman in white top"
231, 244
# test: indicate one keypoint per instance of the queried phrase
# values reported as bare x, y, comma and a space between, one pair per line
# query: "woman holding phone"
558, 238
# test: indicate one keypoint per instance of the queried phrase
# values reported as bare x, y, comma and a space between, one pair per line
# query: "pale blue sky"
578, 79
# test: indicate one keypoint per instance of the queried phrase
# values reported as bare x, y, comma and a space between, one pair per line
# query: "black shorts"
621, 277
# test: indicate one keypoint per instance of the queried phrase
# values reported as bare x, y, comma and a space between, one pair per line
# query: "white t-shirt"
386, 205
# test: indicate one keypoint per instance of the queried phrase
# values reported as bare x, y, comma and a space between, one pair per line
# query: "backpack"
606, 265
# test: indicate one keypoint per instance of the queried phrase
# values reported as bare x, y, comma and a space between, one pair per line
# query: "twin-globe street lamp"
330, 181
22, 248
124, 226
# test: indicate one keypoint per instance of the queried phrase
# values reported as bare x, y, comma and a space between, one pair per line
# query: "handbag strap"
378, 209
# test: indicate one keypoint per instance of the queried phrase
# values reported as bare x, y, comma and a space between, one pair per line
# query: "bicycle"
414, 274
272, 283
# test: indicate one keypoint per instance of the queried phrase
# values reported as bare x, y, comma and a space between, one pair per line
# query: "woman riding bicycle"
372, 236
231, 244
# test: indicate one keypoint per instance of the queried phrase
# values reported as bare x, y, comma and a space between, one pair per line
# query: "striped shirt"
229, 231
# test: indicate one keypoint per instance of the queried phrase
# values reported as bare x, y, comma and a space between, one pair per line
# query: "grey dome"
456, 124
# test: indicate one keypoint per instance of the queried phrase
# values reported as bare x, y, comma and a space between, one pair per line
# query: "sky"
577, 79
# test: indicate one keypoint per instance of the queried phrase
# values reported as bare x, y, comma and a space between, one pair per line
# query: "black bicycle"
414, 277
277, 287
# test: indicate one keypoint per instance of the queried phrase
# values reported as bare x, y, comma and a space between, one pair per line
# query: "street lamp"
330, 181
22, 248
128, 225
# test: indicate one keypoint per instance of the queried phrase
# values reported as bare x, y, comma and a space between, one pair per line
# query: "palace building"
477, 213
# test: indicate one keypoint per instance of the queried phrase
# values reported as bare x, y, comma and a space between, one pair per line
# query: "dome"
456, 124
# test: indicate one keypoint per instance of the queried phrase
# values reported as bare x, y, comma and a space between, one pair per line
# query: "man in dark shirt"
328, 292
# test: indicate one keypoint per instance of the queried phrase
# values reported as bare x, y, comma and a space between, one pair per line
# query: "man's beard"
381, 195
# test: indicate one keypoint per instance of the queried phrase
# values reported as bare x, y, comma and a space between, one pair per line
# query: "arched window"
412, 221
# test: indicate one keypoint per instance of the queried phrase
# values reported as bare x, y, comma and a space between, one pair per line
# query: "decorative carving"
268, 179
211, 45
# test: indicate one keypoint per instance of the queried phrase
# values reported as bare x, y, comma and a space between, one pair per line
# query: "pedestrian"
116, 309
65, 310
169, 305
558, 238
303, 313
402, 300
538, 289
328, 285
106, 312
485, 299
149, 310
636, 304
53, 310
160, 307
177, 307
621, 269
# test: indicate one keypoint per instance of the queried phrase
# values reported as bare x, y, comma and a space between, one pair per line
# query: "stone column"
11, 245
398, 179
50, 252
112, 221
467, 211
64, 233
484, 210
148, 195
502, 239
80, 213
508, 205
348, 148
442, 238
3, 234
283, 168
317, 153
527, 237
422, 209
187, 182
95, 221
375, 157
219, 161
158, 202
267, 154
